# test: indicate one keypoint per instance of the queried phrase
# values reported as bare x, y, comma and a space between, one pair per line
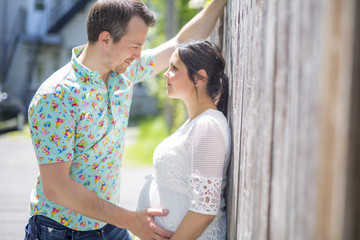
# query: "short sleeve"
52, 128
208, 159
142, 70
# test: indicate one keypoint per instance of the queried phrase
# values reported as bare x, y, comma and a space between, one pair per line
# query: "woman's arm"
205, 180
192, 225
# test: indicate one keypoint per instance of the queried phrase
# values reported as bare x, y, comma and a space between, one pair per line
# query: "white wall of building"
9, 16
74, 33
50, 57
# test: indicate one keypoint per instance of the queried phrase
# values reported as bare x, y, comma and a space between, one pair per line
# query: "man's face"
120, 55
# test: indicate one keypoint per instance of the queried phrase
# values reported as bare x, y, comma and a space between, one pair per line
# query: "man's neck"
91, 57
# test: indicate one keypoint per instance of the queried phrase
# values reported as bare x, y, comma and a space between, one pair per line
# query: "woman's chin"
169, 95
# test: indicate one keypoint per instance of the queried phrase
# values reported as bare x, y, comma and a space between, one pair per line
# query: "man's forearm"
60, 188
203, 23
75, 196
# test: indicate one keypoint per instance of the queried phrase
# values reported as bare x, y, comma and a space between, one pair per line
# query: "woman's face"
178, 84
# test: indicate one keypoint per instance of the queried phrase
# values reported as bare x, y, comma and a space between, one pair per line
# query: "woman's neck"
197, 107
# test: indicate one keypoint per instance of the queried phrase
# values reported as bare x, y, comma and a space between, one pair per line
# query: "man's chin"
120, 71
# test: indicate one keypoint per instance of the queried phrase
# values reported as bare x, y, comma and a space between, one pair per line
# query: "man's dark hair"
114, 16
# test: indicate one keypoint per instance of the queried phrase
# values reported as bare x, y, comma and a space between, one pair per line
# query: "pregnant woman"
190, 166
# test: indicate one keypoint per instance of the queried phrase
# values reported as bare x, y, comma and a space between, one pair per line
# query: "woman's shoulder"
212, 117
212, 121
212, 127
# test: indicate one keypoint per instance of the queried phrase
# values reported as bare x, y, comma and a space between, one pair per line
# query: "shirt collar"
84, 74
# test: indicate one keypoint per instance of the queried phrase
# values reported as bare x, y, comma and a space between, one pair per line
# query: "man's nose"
137, 54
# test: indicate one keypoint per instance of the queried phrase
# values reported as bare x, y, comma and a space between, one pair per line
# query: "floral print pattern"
75, 117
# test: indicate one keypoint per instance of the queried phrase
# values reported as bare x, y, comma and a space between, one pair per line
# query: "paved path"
18, 173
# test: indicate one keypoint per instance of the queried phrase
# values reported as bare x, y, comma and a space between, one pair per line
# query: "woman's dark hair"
204, 55
114, 16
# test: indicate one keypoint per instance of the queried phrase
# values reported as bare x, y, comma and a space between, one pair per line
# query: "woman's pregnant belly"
154, 195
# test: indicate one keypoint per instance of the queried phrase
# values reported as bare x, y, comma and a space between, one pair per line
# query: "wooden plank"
281, 161
339, 22
249, 180
231, 20
263, 115
305, 42
352, 211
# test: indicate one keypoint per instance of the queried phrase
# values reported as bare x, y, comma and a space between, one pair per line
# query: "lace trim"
206, 194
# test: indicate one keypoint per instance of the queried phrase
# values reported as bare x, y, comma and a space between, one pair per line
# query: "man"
78, 119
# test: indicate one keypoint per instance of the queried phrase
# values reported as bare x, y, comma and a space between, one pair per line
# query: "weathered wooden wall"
290, 66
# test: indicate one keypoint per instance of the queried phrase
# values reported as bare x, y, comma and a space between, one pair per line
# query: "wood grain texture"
280, 69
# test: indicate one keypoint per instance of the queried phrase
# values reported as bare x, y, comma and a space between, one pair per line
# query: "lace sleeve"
208, 157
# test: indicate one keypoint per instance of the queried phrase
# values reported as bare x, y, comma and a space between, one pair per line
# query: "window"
39, 4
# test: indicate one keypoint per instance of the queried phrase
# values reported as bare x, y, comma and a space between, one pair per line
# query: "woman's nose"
166, 74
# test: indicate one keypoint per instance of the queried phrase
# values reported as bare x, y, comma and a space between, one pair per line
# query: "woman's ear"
202, 76
104, 39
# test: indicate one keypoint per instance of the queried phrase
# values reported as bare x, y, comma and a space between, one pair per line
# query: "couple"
79, 116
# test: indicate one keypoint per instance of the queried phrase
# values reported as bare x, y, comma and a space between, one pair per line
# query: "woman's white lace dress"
190, 174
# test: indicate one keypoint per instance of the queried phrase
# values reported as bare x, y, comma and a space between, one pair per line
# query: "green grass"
18, 133
152, 131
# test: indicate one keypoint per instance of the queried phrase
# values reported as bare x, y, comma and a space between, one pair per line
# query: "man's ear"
104, 39
202, 76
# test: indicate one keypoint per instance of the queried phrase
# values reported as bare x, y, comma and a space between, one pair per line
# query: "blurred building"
36, 39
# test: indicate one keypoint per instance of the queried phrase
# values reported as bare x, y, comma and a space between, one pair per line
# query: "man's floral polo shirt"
75, 117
